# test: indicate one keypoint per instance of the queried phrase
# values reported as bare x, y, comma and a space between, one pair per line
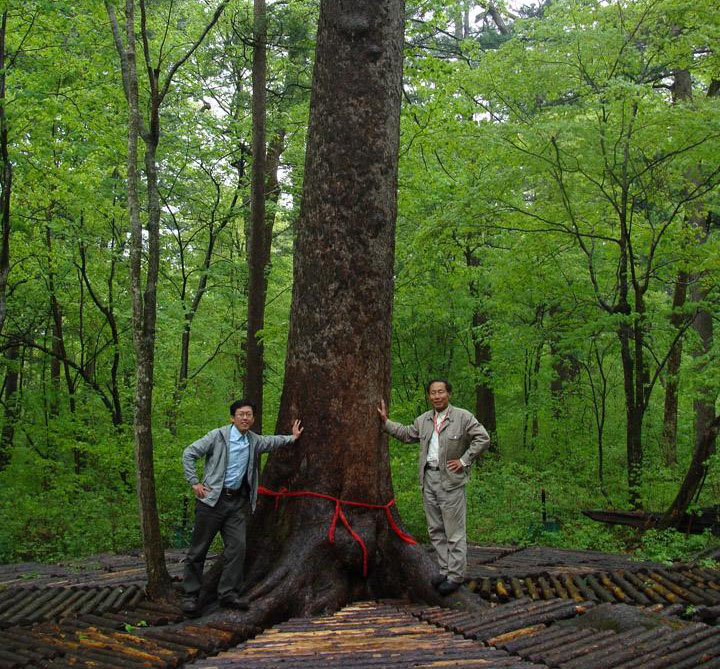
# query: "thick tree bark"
338, 362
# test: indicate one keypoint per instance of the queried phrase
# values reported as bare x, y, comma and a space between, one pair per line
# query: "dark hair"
241, 403
448, 386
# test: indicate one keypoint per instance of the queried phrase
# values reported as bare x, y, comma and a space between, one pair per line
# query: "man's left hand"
455, 465
297, 429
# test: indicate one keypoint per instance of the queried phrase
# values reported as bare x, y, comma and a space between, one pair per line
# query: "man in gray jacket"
450, 440
224, 498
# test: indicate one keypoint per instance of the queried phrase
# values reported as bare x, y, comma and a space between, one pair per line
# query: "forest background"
557, 255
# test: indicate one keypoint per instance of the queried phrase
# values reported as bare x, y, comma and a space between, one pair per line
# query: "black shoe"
189, 606
447, 587
234, 602
438, 579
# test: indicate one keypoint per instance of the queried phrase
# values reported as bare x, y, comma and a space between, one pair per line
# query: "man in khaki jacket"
450, 440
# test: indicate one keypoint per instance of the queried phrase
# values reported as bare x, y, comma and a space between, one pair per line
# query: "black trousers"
229, 517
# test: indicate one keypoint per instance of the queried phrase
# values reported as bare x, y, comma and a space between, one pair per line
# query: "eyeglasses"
244, 414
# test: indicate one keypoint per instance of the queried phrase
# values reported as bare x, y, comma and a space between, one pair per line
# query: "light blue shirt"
238, 456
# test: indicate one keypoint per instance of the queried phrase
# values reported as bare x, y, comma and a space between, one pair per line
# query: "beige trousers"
445, 514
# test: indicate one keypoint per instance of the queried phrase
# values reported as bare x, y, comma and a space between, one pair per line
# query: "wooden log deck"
536, 607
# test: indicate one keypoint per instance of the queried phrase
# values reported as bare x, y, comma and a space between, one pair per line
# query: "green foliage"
666, 546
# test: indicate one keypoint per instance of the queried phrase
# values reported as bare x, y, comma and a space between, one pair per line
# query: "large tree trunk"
338, 362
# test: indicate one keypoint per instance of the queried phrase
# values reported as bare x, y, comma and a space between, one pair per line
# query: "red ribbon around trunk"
284, 492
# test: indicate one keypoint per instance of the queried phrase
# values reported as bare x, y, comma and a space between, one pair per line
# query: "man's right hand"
383, 411
200, 490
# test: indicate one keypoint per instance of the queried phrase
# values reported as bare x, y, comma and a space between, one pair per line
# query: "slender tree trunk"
484, 393
681, 91
108, 311
145, 301
566, 369
338, 361
5, 179
534, 394
706, 423
704, 404
669, 433
530, 390
704, 448
634, 414
59, 350
10, 403
630, 337
144, 314
258, 242
599, 395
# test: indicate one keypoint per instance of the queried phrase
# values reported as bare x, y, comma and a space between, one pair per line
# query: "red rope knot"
340, 514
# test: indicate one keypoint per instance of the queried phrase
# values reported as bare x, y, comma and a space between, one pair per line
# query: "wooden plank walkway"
365, 634
488, 561
558, 633
104, 570
95, 614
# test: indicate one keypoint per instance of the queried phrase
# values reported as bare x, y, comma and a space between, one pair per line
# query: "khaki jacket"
461, 436
214, 448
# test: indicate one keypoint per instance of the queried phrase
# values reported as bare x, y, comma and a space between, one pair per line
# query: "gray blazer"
461, 436
214, 448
